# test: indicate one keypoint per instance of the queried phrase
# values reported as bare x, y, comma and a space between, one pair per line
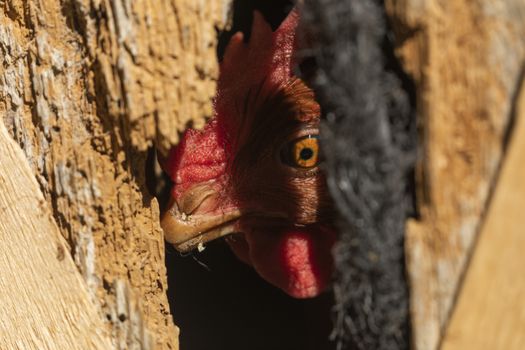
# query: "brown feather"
259, 178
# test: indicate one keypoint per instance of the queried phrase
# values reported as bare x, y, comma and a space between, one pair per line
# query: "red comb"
266, 59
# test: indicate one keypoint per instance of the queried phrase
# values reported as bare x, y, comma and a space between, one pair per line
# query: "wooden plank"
490, 312
86, 88
465, 58
44, 302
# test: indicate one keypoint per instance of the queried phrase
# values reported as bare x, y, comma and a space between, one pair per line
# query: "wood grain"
490, 312
465, 58
44, 302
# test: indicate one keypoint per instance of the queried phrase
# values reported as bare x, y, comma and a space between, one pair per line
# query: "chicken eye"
302, 152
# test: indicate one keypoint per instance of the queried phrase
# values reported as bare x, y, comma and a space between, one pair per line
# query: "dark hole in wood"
227, 306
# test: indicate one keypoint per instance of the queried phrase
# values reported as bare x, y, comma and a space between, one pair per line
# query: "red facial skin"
285, 212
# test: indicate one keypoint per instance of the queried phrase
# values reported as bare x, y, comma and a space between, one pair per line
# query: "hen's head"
252, 173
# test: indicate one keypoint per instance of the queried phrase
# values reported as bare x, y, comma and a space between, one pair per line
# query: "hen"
252, 173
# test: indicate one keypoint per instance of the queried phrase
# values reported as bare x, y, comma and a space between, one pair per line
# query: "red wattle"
297, 260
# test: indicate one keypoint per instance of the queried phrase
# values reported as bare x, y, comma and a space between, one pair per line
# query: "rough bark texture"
466, 58
86, 86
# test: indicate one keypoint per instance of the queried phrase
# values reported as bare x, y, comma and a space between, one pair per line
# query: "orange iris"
305, 152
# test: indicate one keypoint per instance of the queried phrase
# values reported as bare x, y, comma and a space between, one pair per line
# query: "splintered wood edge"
490, 311
44, 301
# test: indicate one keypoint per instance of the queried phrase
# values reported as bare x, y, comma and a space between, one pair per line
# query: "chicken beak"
186, 229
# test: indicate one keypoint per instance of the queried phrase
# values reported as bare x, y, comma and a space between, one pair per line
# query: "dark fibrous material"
368, 141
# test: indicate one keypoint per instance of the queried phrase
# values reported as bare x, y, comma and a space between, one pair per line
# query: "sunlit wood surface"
490, 312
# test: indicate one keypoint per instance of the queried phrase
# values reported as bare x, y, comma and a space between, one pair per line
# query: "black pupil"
306, 153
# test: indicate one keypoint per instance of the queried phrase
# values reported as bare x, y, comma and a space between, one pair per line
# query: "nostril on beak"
193, 199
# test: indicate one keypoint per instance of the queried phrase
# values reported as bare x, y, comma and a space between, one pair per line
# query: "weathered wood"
465, 57
490, 312
44, 302
86, 86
